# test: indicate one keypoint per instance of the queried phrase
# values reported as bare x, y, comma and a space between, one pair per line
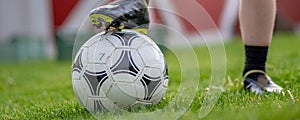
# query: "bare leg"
257, 21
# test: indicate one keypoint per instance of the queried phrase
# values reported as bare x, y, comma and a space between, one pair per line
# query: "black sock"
256, 57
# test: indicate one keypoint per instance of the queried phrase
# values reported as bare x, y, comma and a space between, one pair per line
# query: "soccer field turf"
43, 90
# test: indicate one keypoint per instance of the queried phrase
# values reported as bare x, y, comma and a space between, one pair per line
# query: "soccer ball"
119, 70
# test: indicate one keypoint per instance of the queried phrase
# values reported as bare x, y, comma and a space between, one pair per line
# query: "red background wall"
61, 9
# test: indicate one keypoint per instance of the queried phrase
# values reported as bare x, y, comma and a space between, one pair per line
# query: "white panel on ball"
120, 98
100, 51
150, 56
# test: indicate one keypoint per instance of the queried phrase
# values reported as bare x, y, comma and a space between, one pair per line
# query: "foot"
122, 14
258, 81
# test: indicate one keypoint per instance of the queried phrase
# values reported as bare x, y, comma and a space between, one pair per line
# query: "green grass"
43, 90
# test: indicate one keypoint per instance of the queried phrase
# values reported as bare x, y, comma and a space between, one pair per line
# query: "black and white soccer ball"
119, 70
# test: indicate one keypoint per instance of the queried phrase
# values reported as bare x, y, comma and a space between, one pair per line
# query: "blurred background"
46, 29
